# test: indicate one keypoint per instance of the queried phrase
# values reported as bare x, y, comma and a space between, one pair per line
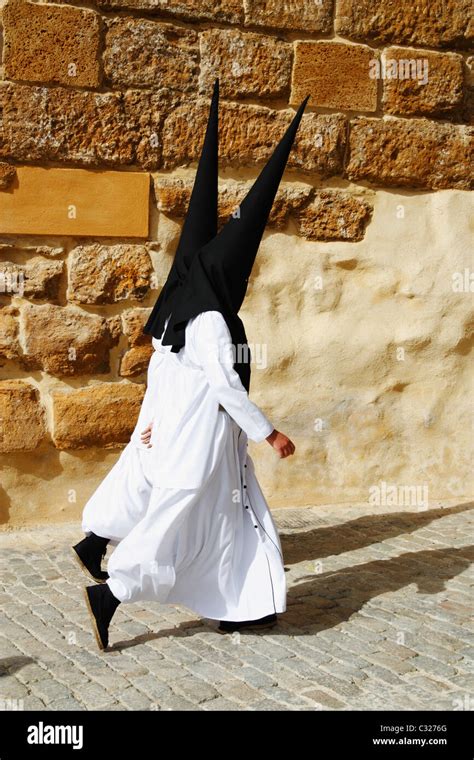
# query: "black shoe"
230, 626
101, 604
88, 554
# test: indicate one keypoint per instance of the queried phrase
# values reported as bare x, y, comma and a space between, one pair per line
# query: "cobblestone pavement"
378, 617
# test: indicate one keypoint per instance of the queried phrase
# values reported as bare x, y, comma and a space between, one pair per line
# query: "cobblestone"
379, 608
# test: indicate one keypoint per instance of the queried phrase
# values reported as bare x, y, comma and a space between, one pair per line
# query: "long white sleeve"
213, 344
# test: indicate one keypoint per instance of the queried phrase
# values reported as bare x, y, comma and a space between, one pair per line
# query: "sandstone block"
90, 128
65, 341
47, 43
335, 74
437, 23
247, 64
22, 423
148, 53
334, 215
107, 274
315, 16
101, 415
419, 82
411, 153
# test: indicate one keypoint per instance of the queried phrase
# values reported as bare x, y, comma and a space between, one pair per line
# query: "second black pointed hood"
217, 279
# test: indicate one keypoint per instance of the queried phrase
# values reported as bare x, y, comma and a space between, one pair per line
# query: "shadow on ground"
10, 665
318, 543
320, 601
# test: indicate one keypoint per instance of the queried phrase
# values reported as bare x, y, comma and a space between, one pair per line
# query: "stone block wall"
359, 308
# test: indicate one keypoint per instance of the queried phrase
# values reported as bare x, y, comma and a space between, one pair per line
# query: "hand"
281, 443
146, 435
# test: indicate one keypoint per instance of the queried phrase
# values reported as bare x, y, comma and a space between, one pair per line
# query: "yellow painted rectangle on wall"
76, 202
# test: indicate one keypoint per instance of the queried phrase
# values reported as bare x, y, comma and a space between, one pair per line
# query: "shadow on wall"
46, 465
5, 505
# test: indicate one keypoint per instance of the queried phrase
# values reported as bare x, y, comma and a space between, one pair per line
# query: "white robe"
191, 522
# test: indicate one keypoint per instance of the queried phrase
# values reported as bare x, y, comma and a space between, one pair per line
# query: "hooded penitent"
210, 271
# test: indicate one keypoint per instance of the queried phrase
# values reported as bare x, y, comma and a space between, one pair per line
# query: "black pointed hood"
218, 276
229, 257
200, 224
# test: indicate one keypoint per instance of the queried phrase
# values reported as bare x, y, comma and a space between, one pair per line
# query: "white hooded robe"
190, 520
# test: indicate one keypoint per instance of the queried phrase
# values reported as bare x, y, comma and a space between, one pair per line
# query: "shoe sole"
261, 627
84, 568
100, 643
